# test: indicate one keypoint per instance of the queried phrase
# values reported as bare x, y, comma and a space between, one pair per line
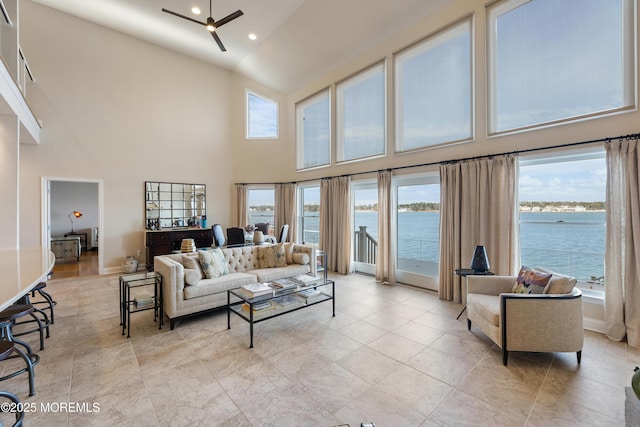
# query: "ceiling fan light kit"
211, 24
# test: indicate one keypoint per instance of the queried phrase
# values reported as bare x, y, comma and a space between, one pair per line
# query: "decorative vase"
130, 265
258, 237
635, 382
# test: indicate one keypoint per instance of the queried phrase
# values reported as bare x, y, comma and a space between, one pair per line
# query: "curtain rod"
442, 162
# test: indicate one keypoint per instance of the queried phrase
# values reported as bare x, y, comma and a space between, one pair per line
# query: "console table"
164, 242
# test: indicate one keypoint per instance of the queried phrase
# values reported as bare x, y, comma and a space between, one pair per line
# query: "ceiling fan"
211, 24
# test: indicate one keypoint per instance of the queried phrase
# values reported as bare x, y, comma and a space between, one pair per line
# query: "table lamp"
75, 214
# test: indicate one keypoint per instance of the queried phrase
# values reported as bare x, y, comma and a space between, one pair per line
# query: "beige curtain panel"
622, 242
335, 223
385, 265
478, 206
242, 210
285, 200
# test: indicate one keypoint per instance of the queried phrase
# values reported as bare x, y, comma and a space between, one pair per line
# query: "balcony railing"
365, 246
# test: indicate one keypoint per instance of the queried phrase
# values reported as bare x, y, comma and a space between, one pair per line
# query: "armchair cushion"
559, 283
530, 281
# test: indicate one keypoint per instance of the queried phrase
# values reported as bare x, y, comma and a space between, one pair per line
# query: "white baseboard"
594, 325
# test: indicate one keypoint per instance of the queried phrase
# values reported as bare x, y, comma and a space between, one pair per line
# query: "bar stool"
48, 299
7, 318
43, 324
6, 348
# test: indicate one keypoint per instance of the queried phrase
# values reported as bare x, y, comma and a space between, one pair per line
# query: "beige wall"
121, 110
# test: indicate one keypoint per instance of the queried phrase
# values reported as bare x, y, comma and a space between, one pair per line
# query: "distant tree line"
435, 206
590, 206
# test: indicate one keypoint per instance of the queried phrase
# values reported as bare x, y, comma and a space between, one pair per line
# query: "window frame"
299, 110
248, 136
629, 53
423, 46
595, 290
351, 81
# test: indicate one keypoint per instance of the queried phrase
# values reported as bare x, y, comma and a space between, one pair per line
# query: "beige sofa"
525, 322
181, 299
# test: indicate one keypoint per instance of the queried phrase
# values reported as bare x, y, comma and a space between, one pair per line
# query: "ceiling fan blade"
234, 15
217, 39
183, 17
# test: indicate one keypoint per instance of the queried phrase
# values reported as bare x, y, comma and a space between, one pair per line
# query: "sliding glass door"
417, 219
365, 224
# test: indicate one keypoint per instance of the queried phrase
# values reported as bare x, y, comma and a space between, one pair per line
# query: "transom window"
360, 108
434, 91
262, 117
552, 61
313, 131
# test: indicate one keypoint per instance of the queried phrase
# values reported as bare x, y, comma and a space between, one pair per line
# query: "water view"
567, 242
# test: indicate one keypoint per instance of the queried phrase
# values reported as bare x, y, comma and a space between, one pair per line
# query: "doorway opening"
73, 208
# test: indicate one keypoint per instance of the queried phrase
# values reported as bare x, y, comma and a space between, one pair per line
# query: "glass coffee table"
279, 302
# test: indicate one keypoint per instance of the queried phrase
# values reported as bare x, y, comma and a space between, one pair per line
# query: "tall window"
552, 61
313, 131
261, 205
360, 112
562, 216
434, 90
309, 208
262, 117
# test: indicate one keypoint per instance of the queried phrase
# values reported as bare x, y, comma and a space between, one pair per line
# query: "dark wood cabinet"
166, 241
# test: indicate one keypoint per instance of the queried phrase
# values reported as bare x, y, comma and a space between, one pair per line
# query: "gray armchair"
525, 322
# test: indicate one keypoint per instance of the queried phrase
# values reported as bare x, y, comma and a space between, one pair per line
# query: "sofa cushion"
272, 256
300, 258
218, 284
530, 281
559, 283
213, 263
270, 274
192, 276
192, 262
487, 306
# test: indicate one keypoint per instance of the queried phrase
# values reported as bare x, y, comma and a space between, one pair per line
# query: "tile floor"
394, 356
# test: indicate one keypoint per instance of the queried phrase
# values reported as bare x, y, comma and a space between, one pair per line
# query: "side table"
464, 272
128, 304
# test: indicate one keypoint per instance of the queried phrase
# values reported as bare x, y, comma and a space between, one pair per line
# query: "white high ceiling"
297, 39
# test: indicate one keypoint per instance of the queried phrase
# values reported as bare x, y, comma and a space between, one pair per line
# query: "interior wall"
118, 109
9, 177
67, 197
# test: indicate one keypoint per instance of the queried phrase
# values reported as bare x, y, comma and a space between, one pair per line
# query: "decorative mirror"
174, 205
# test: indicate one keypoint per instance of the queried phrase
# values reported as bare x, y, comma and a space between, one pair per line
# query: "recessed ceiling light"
196, 10
252, 36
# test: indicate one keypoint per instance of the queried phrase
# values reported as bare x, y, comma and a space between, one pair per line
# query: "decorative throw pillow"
559, 283
192, 276
530, 281
213, 263
300, 258
192, 263
272, 256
